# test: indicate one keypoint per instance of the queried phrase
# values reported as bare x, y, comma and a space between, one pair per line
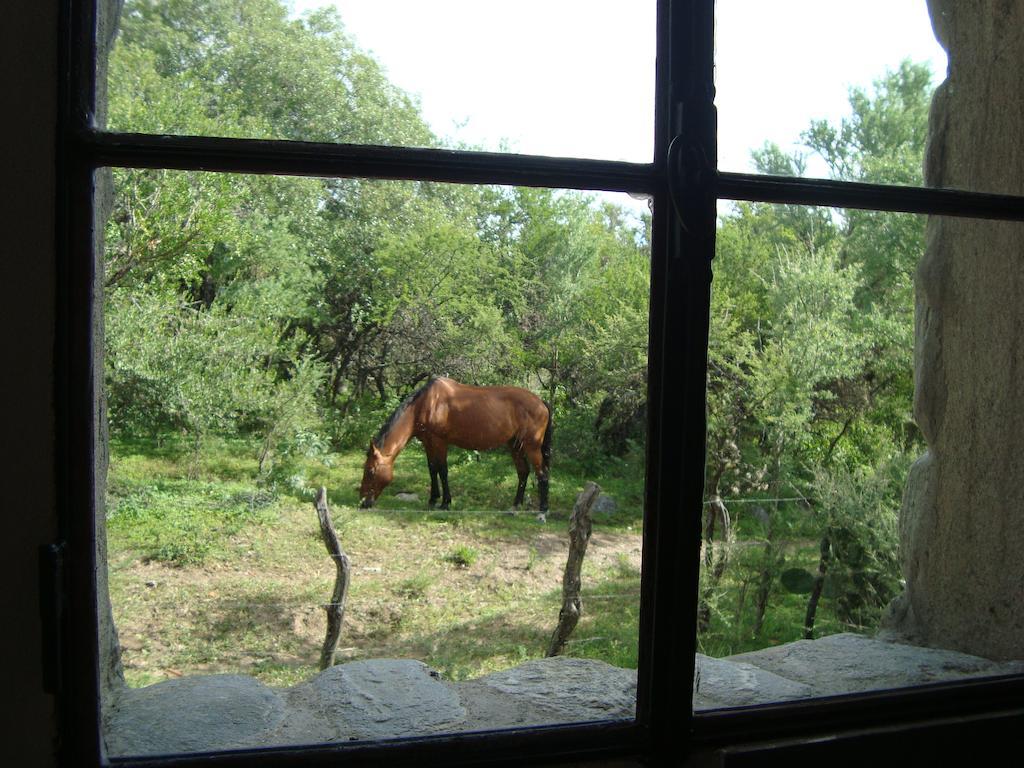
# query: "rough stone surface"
384, 698
362, 700
391, 698
568, 690
111, 674
849, 663
193, 714
962, 522
728, 683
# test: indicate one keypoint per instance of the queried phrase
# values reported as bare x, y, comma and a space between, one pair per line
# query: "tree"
214, 280
363, 287
810, 351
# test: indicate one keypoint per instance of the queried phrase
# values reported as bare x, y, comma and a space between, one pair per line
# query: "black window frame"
685, 185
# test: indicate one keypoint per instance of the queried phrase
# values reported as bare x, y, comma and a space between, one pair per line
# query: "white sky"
576, 77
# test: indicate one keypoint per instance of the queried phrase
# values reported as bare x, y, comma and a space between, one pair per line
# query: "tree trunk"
769, 566
580, 528
819, 584
716, 557
766, 577
336, 608
764, 590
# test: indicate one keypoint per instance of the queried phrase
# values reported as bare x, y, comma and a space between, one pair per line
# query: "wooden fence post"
580, 528
336, 608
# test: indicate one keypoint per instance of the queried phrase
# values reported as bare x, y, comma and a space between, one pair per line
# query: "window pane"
260, 333
853, 499
799, 83
562, 79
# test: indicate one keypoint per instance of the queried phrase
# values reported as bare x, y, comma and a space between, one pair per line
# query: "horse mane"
397, 413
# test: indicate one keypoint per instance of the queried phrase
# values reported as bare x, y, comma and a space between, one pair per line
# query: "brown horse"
444, 412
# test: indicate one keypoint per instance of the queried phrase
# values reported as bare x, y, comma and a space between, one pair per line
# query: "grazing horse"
444, 412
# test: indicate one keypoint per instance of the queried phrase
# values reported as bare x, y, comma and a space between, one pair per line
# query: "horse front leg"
437, 461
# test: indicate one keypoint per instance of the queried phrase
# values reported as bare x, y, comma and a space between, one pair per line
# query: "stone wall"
962, 523
111, 675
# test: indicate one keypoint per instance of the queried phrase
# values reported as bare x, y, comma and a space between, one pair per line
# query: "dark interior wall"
28, 82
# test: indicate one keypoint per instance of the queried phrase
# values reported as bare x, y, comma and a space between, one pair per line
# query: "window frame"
685, 184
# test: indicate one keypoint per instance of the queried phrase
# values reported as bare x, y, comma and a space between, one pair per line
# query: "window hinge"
691, 181
51, 611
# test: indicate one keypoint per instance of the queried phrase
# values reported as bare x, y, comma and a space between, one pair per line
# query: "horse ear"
374, 450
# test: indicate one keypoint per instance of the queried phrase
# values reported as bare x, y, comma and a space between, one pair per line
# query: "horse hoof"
542, 518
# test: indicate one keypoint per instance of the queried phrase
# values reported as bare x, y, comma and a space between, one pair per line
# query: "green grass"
484, 481
184, 522
609, 627
462, 556
211, 572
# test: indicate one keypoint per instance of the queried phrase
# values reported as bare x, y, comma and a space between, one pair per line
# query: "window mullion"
680, 304
297, 158
75, 393
876, 197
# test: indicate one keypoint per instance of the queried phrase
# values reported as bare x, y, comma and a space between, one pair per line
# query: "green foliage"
416, 587
462, 556
810, 374
857, 512
184, 522
531, 560
291, 315
231, 299
288, 419
271, 76
883, 140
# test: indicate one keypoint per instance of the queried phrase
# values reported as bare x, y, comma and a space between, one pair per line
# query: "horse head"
378, 472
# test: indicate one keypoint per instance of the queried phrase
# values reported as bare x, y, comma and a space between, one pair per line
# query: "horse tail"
545, 446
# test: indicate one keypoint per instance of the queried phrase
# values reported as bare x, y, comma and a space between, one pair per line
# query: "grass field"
211, 574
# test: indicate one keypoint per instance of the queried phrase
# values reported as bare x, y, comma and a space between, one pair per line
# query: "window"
685, 185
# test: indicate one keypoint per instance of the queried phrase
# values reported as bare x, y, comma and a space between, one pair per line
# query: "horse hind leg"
523, 470
540, 469
435, 492
442, 470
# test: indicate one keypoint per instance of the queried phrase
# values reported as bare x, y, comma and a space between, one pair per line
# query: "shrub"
462, 556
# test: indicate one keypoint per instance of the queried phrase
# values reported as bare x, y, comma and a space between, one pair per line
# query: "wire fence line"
545, 598
376, 652
756, 501
451, 512
611, 596
534, 513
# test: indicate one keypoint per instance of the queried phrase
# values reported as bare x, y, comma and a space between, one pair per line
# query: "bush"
353, 423
859, 513
184, 522
462, 556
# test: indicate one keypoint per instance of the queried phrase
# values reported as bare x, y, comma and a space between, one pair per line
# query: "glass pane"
266, 337
562, 79
800, 84
862, 519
